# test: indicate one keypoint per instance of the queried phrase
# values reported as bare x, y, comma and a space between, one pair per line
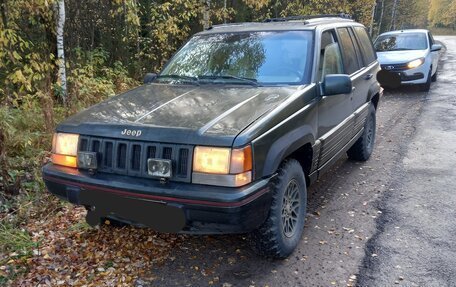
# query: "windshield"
401, 42
244, 58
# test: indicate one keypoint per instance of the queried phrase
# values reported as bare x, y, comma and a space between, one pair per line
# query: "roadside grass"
80, 227
17, 246
37, 230
16, 241
443, 31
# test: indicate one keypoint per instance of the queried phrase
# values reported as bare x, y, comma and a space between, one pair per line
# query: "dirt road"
389, 221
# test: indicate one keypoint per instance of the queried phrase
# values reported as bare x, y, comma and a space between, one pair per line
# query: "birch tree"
206, 14
60, 49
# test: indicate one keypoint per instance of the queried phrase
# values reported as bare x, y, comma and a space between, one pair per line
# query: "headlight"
211, 160
65, 149
415, 63
222, 166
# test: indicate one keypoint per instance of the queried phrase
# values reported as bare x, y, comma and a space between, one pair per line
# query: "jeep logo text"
133, 133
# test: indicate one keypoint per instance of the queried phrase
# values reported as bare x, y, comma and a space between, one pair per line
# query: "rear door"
360, 73
367, 76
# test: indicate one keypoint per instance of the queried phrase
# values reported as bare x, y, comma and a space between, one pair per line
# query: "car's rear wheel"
364, 146
280, 233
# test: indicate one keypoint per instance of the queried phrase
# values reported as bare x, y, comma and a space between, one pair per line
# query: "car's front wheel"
427, 86
280, 233
434, 77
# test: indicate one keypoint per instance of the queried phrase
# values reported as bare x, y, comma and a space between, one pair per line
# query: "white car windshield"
401, 42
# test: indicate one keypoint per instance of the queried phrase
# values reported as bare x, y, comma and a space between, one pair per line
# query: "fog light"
159, 167
87, 160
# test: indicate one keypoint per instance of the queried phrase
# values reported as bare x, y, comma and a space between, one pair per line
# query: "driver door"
335, 113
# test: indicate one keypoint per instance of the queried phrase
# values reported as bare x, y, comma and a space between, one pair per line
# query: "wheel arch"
304, 155
374, 94
291, 145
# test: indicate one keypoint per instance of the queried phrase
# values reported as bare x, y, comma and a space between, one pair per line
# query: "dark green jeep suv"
229, 135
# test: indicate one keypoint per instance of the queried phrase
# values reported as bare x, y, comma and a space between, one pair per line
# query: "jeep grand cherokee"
229, 135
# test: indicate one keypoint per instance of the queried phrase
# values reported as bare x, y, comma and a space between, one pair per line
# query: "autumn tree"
442, 13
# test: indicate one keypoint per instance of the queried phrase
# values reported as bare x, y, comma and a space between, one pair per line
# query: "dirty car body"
201, 149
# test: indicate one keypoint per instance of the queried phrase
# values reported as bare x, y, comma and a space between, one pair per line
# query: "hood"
399, 57
179, 113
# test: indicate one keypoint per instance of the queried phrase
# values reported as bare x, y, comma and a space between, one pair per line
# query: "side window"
366, 46
431, 40
330, 56
348, 52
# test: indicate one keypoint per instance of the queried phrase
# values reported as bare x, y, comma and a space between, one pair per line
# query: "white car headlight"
415, 63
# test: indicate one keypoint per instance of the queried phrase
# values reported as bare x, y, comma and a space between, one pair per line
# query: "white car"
409, 56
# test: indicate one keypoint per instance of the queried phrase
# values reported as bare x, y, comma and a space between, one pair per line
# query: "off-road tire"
271, 238
362, 149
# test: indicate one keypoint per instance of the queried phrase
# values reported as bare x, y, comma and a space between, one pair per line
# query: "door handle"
368, 77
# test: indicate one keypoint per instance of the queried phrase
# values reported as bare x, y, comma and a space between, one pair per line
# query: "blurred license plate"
159, 167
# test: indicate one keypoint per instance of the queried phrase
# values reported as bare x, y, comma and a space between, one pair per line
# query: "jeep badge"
133, 133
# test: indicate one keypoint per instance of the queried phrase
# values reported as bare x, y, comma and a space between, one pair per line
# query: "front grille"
395, 67
130, 157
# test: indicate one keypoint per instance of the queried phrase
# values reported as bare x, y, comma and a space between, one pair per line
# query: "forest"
60, 56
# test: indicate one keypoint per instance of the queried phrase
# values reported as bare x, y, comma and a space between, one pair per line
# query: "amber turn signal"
241, 160
65, 160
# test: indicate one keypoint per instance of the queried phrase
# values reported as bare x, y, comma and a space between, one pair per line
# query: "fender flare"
374, 89
285, 146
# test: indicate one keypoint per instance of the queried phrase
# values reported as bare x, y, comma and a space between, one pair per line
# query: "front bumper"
170, 207
408, 76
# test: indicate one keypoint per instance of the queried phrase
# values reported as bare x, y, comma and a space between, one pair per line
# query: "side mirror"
436, 48
149, 78
336, 85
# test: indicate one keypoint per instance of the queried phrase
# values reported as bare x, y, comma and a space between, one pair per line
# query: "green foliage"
442, 13
15, 240
92, 79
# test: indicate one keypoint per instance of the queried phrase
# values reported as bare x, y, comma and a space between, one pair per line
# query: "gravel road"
387, 222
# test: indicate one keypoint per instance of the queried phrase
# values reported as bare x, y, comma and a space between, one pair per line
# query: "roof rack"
308, 17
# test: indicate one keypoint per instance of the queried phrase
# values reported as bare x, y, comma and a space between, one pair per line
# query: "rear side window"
348, 51
366, 46
431, 40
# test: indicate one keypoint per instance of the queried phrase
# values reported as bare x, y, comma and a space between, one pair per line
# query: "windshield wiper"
193, 80
248, 81
402, 49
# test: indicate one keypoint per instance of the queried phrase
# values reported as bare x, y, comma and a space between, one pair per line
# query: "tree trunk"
4, 13
206, 14
393, 16
47, 107
381, 17
61, 51
371, 28
224, 11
